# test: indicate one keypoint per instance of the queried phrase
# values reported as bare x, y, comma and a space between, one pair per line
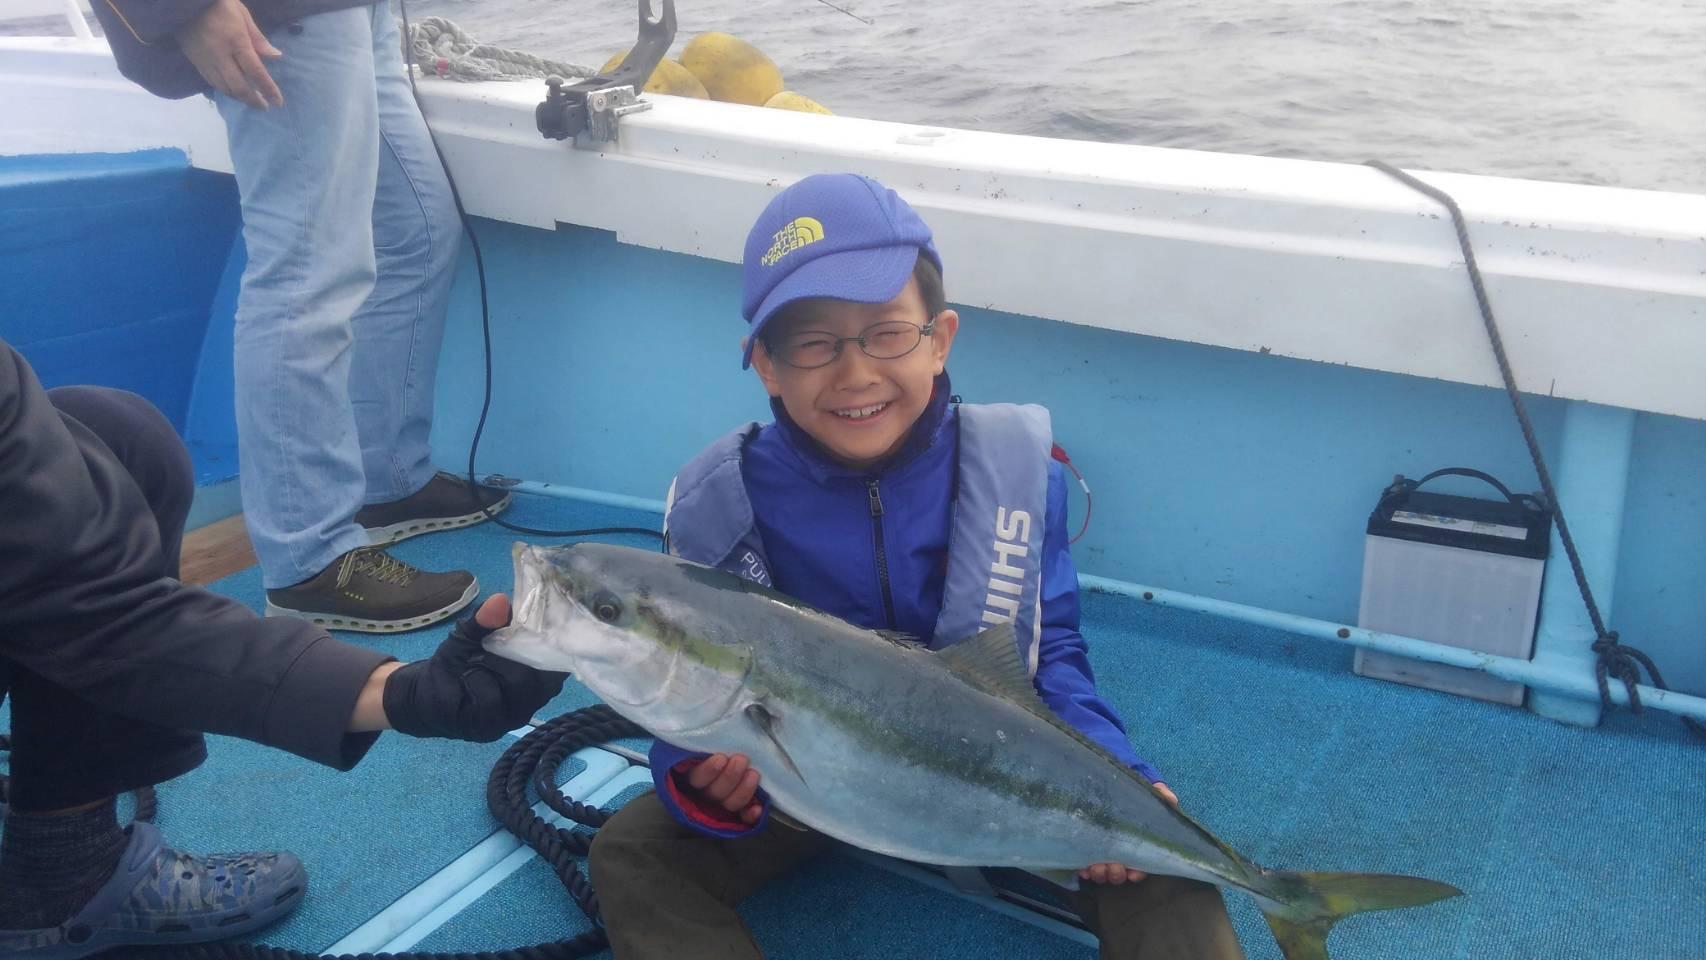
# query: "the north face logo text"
798, 233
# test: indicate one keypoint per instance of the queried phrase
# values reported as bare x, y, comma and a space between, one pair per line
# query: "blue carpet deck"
1571, 843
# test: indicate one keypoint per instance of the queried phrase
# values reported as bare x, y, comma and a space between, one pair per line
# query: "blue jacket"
815, 520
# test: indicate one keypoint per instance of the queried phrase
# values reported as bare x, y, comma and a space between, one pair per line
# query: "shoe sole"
379, 536
335, 621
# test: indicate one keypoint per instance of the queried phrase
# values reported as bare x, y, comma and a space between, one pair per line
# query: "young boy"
876, 497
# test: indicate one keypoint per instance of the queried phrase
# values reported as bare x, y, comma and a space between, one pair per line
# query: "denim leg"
306, 174
417, 235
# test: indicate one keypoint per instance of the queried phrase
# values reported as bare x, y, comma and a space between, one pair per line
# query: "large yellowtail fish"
945, 758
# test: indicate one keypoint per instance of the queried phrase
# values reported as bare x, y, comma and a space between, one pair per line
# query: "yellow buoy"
789, 100
731, 69
669, 77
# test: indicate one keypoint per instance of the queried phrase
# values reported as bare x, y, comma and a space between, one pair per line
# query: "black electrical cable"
486, 327
1616, 659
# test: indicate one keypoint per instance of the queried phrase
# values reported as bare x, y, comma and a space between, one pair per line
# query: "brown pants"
669, 892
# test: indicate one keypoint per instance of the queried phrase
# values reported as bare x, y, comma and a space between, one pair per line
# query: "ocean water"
1600, 93
1566, 90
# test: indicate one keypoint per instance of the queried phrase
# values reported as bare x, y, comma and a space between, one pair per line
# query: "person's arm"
369, 713
150, 22
1064, 678
219, 37
86, 603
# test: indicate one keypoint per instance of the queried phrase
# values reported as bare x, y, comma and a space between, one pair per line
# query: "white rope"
441, 48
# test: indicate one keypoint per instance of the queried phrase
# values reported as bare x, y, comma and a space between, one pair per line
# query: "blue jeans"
352, 238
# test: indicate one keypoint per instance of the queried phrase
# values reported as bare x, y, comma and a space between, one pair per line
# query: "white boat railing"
75, 12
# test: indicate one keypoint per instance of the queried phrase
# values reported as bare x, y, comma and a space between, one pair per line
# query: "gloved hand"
464, 693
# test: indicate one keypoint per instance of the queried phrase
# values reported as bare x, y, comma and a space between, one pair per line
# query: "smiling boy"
876, 496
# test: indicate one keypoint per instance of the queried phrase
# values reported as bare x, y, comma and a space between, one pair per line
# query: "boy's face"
857, 407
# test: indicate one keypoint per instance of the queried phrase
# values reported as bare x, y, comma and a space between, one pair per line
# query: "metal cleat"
594, 105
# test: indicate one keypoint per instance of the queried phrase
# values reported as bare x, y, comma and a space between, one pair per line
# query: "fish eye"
606, 607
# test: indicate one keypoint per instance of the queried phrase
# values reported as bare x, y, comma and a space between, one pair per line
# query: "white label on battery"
1462, 526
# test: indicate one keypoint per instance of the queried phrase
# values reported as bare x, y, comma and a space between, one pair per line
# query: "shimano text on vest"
1012, 536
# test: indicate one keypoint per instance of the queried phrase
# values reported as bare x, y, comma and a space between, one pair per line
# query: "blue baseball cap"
834, 235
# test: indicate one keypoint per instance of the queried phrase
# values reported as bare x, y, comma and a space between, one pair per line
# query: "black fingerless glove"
464, 693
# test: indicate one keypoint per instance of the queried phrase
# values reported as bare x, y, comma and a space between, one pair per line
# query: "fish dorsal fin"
990, 662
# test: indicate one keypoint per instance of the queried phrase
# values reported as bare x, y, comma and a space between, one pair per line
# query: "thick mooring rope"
443, 49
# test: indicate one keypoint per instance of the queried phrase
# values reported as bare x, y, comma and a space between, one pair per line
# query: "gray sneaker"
370, 591
159, 896
445, 503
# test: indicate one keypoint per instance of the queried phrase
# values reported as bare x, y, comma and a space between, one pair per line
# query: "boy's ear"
764, 366
942, 338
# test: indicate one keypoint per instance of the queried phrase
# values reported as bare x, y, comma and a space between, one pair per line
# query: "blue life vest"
994, 548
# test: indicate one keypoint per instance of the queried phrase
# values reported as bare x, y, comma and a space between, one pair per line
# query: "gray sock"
52, 864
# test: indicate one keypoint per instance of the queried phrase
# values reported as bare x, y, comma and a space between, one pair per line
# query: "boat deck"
1570, 843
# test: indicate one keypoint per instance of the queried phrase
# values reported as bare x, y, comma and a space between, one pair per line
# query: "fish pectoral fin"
777, 816
768, 723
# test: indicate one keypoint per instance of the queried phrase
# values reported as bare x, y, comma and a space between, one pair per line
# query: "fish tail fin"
1306, 905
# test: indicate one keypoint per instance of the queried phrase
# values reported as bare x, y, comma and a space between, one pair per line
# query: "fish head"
623, 622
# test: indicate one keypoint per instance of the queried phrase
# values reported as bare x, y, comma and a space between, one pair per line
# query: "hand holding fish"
728, 781
1118, 873
460, 692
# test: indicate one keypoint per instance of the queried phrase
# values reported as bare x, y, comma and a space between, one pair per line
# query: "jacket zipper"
876, 501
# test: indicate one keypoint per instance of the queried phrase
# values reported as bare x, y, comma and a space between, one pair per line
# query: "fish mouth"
524, 637
528, 600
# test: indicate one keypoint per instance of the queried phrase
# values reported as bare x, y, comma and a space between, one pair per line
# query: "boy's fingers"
743, 793
1111, 873
701, 776
726, 781
752, 813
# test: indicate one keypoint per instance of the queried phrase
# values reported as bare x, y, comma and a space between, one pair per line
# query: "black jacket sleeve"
141, 34
85, 602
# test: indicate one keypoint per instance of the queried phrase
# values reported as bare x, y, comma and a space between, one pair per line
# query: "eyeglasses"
889, 340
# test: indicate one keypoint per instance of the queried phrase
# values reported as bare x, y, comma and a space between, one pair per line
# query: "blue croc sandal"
159, 896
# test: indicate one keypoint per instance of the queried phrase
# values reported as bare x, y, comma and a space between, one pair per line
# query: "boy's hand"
728, 781
1118, 873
